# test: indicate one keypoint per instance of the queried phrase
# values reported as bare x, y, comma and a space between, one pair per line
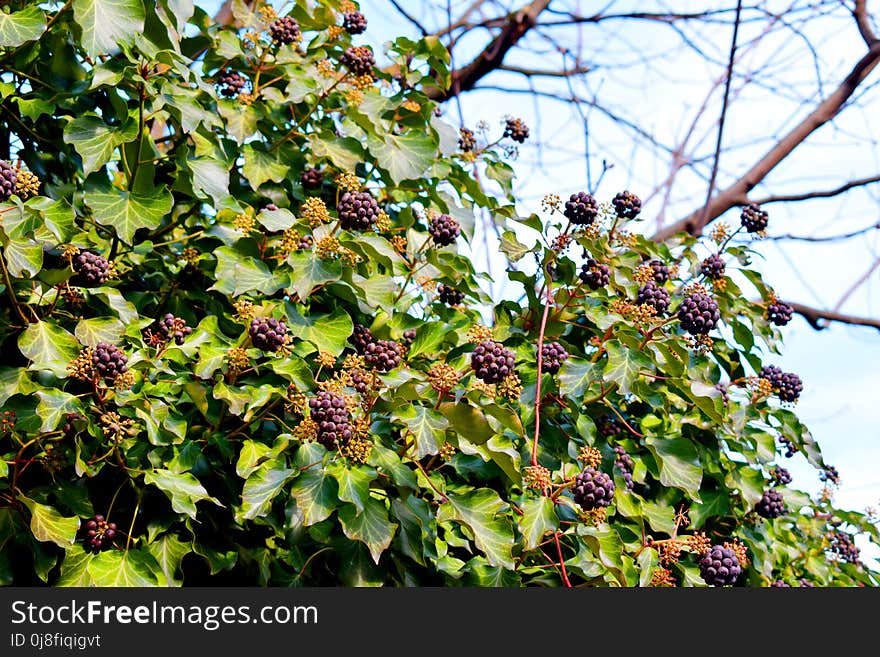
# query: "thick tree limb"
820, 319
860, 13
491, 57
737, 193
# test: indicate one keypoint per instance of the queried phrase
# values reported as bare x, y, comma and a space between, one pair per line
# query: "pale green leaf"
49, 525
127, 212
106, 22
480, 510
183, 489
21, 26
48, 347
371, 526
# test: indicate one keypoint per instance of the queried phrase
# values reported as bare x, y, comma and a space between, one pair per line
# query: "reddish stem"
565, 579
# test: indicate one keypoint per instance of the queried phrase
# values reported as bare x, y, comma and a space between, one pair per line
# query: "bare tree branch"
534, 72
826, 238
492, 56
826, 193
820, 319
412, 19
860, 13
736, 194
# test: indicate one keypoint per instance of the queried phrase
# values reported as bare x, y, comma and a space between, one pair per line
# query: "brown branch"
412, 19
827, 193
737, 193
820, 319
827, 238
727, 80
863, 20
491, 57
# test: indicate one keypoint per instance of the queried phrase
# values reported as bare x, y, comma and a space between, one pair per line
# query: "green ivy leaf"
280, 219
624, 364
405, 157
308, 271
169, 552
575, 377
49, 525
96, 141
316, 495
24, 257
261, 488
104, 23
75, 568
261, 165
127, 212
237, 274
538, 518
183, 489
512, 247
251, 455
480, 510
48, 347
21, 26
354, 483
326, 332
99, 329
427, 426
14, 381
54, 404
370, 526
133, 568
679, 466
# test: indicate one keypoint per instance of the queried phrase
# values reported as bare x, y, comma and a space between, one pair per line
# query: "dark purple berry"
713, 267
360, 338
285, 30
330, 412
516, 129
467, 142
595, 274
109, 361
771, 505
698, 313
843, 546
231, 83
449, 295
753, 218
719, 566
354, 22
359, 60
655, 296
553, 355
173, 328
780, 476
8, 180
593, 489
444, 230
90, 269
661, 271
627, 205
409, 336
492, 362
357, 211
312, 179
268, 334
779, 312
383, 355
581, 209
790, 387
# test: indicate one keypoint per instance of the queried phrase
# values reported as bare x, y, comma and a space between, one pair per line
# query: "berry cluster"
8, 180
173, 328
627, 205
357, 211
595, 274
492, 362
409, 336
651, 294
779, 312
553, 355
754, 219
444, 229
661, 271
842, 545
779, 584
608, 425
354, 22
359, 60
581, 209
786, 384
625, 463
516, 129
829, 475
109, 361
330, 413
383, 355
467, 141
698, 313
99, 533
69, 428
268, 334
719, 566
771, 505
725, 394
780, 476
360, 338
285, 30
312, 178
231, 83
790, 449
91, 269
593, 489
449, 295
713, 267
